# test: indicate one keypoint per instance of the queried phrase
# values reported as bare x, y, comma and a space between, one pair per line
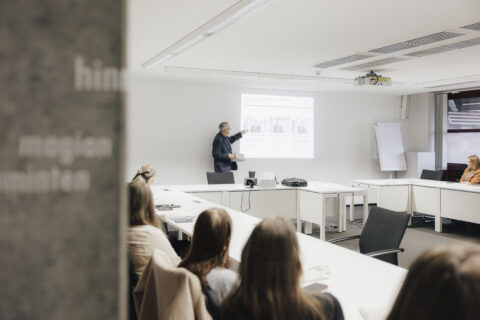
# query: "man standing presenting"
222, 149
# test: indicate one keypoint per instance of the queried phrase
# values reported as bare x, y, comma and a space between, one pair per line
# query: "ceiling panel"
289, 37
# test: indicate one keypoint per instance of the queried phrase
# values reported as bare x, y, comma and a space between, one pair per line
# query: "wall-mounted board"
390, 146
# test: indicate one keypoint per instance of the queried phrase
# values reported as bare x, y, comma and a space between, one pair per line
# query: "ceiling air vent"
436, 37
475, 26
445, 48
343, 60
373, 64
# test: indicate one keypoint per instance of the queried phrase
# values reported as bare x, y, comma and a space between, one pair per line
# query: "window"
463, 138
278, 126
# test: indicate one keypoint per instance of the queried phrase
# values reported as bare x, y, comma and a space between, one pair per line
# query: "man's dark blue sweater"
221, 148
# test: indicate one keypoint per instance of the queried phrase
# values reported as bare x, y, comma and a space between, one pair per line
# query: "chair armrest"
383, 252
343, 239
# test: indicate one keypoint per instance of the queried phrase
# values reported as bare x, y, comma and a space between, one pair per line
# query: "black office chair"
132, 283
455, 171
432, 175
220, 178
382, 234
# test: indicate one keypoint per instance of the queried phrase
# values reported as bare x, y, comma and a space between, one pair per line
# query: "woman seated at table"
208, 255
471, 175
442, 284
146, 173
144, 233
270, 272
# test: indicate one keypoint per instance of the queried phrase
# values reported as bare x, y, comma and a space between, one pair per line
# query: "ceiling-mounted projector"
372, 79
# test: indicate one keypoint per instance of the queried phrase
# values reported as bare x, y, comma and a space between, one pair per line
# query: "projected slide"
278, 126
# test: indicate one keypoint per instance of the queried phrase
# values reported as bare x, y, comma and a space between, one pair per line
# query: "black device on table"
294, 182
166, 207
251, 180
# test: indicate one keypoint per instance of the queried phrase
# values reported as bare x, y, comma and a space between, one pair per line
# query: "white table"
358, 281
306, 204
441, 199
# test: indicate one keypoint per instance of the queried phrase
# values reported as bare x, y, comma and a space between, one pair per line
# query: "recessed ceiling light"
231, 15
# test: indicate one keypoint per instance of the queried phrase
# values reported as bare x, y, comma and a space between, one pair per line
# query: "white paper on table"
374, 313
315, 274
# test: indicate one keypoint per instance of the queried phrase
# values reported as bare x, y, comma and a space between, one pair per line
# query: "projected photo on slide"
278, 126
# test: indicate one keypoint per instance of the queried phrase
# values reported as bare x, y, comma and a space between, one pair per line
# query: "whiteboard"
390, 146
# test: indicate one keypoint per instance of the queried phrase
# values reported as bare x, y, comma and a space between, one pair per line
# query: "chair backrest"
165, 292
383, 230
432, 175
455, 171
132, 283
220, 178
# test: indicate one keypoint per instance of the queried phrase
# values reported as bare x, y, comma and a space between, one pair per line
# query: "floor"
418, 238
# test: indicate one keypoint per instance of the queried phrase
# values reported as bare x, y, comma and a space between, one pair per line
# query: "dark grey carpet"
418, 238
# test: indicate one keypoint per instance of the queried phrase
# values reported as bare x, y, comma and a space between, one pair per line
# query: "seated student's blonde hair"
475, 162
145, 173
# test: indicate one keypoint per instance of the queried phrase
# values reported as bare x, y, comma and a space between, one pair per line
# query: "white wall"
419, 127
171, 125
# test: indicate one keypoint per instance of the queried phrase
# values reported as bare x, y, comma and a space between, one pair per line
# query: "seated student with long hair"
207, 256
442, 284
270, 273
471, 175
144, 233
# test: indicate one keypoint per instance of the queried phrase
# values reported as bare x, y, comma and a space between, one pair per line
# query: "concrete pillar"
62, 213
